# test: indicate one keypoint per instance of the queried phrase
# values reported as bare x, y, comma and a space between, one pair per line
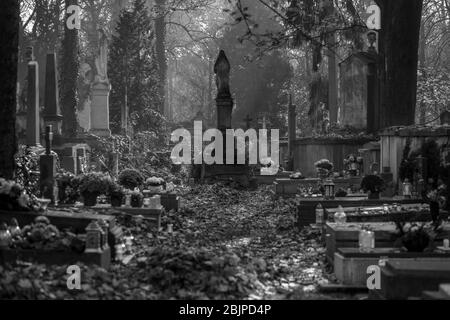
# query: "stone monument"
52, 111
33, 117
100, 91
224, 104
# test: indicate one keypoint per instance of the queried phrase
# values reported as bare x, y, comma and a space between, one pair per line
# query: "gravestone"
100, 110
47, 164
224, 104
359, 98
100, 91
445, 118
33, 117
406, 279
52, 111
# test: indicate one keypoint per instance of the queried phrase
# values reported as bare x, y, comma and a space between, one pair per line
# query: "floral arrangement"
117, 193
95, 183
417, 237
352, 164
14, 198
373, 184
68, 185
324, 164
131, 179
155, 182
42, 235
137, 199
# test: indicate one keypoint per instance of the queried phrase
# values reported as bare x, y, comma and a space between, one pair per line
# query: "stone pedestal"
100, 110
47, 164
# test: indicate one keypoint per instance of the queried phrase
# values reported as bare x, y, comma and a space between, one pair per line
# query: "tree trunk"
399, 47
160, 31
9, 47
69, 78
422, 62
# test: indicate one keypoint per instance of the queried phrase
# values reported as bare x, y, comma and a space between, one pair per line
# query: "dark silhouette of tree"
9, 44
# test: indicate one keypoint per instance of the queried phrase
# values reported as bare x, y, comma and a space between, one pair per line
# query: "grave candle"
447, 244
93, 237
340, 217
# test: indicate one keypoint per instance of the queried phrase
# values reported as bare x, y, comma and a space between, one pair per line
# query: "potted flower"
92, 185
374, 185
155, 185
353, 164
64, 182
324, 168
131, 179
416, 237
13, 197
116, 194
137, 199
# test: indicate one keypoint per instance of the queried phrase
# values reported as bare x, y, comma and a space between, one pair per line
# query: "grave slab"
347, 236
350, 265
401, 280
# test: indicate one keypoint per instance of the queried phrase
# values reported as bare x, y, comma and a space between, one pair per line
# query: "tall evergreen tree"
134, 71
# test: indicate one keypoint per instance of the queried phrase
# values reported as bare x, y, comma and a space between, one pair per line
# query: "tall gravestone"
101, 89
224, 104
52, 111
360, 97
33, 132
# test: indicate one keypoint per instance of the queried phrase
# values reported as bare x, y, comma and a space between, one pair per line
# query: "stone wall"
393, 142
310, 150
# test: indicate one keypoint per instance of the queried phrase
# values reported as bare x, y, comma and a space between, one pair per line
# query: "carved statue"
222, 71
101, 61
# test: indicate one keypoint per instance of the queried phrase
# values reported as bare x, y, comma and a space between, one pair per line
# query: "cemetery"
103, 168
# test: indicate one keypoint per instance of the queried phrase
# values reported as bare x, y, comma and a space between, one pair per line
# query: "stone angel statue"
101, 61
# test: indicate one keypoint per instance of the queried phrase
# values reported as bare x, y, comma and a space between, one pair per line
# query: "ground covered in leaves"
227, 244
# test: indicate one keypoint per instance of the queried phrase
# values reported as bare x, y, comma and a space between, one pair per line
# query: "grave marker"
33, 134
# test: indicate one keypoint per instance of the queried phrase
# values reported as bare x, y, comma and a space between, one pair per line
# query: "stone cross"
33, 135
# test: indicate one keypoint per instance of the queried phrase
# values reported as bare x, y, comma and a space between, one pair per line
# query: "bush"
14, 198
95, 183
27, 163
131, 179
324, 164
373, 184
341, 193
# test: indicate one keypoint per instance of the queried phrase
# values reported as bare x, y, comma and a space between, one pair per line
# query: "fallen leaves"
227, 244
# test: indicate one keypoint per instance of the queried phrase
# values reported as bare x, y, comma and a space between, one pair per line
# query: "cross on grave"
248, 121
